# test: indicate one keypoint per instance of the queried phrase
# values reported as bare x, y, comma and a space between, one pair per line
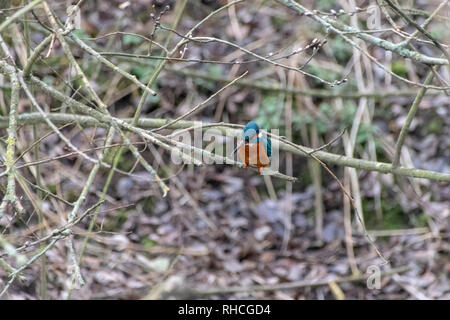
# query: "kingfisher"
255, 149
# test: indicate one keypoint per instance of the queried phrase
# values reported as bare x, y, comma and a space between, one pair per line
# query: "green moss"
122, 216
79, 81
320, 125
399, 68
421, 220
342, 51
116, 220
142, 72
305, 178
435, 126
148, 243
365, 132
148, 205
9, 159
127, 161
110, 225
109, 157
393, 216
348, 113
51, 188
72, 195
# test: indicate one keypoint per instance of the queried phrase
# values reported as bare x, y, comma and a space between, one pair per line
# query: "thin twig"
200, 105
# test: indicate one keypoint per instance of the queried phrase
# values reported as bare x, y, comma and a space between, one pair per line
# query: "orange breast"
254, 155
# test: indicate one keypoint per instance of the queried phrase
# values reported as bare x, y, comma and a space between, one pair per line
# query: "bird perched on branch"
255, 149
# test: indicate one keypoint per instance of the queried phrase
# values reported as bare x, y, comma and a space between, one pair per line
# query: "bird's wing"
267, 145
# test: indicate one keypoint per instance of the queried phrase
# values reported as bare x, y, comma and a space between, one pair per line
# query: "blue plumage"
268, 146
251, 131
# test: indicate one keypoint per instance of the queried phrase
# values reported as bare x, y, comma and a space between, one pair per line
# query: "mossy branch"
340, 28
18, 14
8, 159
151, 123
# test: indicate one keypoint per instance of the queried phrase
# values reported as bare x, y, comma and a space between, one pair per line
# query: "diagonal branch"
409, 118
419, 27
202, 104
339, 27
18, 14
151, 123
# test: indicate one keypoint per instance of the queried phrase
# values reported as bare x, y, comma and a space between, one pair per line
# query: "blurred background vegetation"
267, 231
